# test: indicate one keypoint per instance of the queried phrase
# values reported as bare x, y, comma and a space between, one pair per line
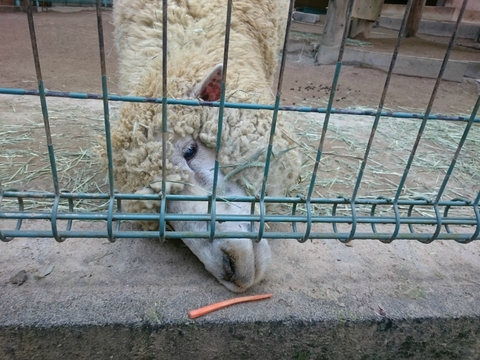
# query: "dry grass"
24, 161
345, 145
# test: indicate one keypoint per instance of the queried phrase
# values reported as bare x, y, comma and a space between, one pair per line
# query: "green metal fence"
402, 210
91, 3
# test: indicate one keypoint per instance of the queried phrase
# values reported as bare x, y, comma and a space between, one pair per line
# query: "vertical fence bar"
326, 121
261, 227
457, 152
452, 166
106, 113
424, 123
477, 215
46, 122
43, 101
19, 221
163, 204
213, 196
401, 34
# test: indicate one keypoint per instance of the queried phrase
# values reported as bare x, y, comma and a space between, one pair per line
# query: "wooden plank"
367, 9
360, 29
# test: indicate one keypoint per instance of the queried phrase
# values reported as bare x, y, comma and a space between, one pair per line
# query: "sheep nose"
228, 267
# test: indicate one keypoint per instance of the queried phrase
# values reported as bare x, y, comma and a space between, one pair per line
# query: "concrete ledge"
473, 70
405, 65
305, 17
408, 65
13, 9
435, 13
289, 339
465, 30
88, 298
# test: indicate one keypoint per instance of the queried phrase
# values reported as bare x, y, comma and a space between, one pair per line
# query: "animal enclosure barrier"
349, 216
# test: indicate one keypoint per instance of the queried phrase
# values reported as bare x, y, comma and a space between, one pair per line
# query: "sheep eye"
190, 152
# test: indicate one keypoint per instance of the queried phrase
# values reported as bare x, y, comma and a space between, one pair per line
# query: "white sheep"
195, 48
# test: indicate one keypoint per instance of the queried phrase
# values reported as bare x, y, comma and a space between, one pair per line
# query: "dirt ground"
68, 47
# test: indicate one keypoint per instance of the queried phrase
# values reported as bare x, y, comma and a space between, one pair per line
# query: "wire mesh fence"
386, 216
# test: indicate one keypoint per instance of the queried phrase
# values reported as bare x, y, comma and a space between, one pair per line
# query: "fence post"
333, 32
415, 17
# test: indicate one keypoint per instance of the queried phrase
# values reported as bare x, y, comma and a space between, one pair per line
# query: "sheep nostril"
228, 267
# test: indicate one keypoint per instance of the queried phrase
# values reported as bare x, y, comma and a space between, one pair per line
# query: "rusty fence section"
359, 225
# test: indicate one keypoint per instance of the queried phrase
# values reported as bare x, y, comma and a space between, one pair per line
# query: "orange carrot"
220, 305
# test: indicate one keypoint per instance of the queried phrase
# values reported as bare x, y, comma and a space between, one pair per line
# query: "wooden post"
333, 32
414, 18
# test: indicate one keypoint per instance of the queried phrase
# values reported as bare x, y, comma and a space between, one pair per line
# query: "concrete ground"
90, 299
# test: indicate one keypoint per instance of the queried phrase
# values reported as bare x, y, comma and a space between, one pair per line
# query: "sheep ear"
210, 88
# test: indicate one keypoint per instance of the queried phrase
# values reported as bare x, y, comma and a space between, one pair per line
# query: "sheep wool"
196, 30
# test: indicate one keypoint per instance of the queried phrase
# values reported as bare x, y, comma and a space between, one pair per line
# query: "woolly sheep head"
186, 158
136, 138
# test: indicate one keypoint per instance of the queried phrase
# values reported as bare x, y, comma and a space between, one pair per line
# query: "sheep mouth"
229, 268
235, 276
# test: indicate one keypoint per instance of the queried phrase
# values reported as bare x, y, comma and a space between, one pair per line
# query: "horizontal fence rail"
447, 218
302, 109
348, 218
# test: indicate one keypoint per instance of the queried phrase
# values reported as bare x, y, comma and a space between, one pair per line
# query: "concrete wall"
386, 339
471, 5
